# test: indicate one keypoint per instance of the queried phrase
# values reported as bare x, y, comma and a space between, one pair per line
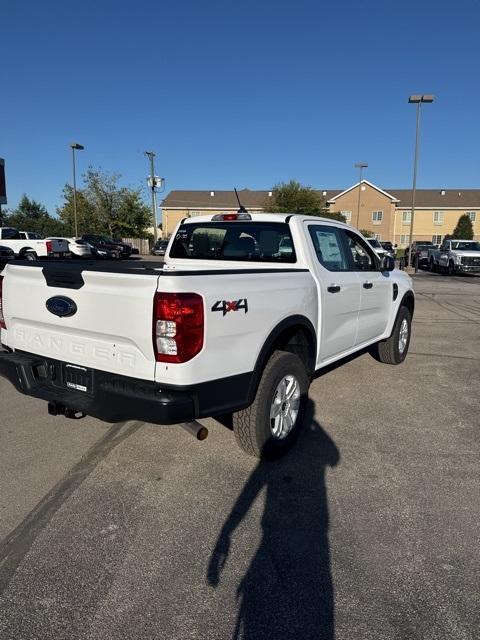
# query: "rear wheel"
394, 350
270, 425
30, 255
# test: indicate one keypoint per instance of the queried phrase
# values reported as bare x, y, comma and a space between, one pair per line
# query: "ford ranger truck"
245, 310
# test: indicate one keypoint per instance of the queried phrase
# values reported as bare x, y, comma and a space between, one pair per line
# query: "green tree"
464, 228
86, 215
104, 207
366, 233
293, 197
133, 215
31, 215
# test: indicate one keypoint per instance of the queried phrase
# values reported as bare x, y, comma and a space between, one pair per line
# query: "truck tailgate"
59, 245
110, 330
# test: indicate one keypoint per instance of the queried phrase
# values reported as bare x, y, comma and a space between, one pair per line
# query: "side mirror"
388, 263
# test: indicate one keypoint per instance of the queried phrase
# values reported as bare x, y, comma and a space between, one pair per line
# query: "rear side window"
11, 234
244, 241
329, 248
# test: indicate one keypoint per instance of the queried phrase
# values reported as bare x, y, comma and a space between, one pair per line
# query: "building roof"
332, 198
441, 198
219, 199
424, 198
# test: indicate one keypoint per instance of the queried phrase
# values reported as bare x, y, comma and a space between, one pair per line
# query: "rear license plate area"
78, 378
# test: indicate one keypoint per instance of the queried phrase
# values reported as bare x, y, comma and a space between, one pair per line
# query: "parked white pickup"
30, 246
237, 321
455, 256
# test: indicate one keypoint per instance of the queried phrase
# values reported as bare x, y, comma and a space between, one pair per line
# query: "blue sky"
244, 94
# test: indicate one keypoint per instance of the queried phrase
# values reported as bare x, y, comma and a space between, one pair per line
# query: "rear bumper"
116, 398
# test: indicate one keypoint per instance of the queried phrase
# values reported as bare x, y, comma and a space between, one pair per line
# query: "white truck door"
376, 288
339, 291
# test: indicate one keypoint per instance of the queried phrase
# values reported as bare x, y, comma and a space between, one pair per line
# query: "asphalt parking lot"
367, 530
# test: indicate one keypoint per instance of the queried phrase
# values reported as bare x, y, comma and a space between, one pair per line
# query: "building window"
347, 215
438, 217
377, 217
406, 217
377, 236
405, 239
437, 239
472, 215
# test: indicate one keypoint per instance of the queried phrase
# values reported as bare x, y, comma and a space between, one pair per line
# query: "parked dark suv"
159, 248
106, 247
421, 247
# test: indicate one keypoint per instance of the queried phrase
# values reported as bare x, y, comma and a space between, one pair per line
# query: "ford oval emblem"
61, 306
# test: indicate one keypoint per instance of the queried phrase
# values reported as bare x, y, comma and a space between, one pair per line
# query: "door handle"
333, 288
367, 285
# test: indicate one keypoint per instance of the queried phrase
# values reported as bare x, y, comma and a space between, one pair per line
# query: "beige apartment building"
385, 213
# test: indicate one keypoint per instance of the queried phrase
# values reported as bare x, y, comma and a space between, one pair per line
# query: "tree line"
103, 207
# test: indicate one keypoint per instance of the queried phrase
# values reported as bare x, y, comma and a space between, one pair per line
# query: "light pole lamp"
75, 147
361, 166
418, 100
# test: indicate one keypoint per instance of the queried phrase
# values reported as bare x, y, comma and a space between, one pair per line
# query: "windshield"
245, 241
466, 246
375, 243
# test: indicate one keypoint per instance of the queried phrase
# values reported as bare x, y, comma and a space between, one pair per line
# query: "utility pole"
151, 155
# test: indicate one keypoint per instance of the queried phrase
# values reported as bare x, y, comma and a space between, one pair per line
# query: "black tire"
431, 266
388, 351
30, 255
451, 269
253, 427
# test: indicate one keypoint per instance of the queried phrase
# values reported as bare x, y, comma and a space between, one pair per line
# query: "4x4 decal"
235, 305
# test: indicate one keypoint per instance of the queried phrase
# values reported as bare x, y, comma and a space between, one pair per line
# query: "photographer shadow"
287, 590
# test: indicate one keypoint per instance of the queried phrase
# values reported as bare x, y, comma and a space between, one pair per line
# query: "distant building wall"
382, 213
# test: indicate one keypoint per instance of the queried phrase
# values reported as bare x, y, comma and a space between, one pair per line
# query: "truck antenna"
240, 205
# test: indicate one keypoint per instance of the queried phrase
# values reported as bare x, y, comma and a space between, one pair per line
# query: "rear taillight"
178, 326
49, 246
2, 317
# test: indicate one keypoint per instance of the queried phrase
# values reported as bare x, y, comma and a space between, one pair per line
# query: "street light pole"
151, 155
78, 147
418, 100
361, 166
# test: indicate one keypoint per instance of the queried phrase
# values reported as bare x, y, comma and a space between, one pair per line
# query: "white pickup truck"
243, 313
30, 246
455, 256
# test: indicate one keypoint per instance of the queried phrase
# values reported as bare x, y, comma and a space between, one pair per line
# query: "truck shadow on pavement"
287, 591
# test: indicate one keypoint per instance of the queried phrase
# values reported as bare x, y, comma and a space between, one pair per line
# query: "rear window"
10, 234
245, 241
